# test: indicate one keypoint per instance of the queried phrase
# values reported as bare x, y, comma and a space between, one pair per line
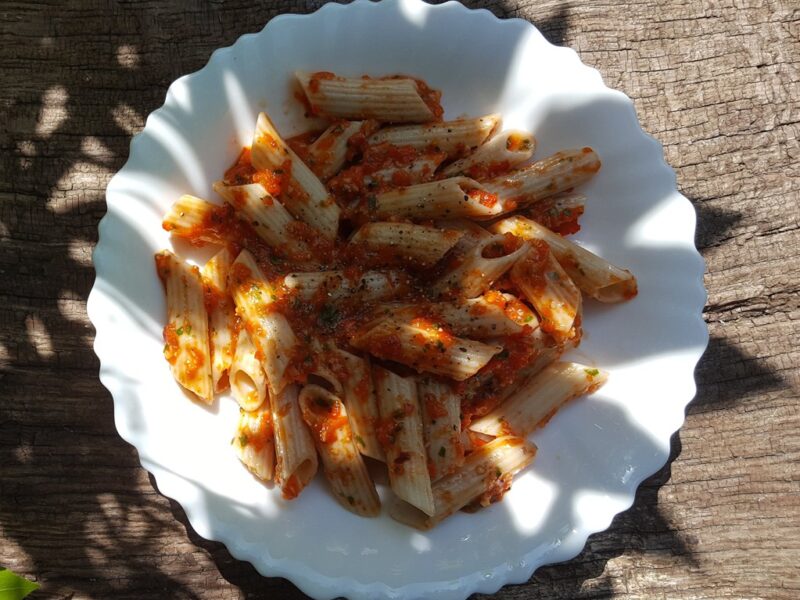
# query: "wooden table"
716, 82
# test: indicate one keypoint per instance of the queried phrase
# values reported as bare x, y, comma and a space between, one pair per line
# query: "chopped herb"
274, 297
179, 331
243, 440
592, 372
328, 316
360, 441
442, 451
528, 318
498, 472
188, 329
351, 500
440, 345
462, 349
502, 355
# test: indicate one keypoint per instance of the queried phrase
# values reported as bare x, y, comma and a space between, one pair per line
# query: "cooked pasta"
391, 292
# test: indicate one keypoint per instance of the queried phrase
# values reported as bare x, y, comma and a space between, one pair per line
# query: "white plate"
593, 454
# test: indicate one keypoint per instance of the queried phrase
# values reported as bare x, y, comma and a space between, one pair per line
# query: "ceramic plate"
593, 454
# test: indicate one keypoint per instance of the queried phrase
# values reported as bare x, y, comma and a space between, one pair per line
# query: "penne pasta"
247, 379
364, 252
335, 285
191, 218
485, 476
480, 266
444, 199
295, 455
400, 434
221, 317
536, 402
392, 100
269, 330
305, 196
328, 154
186, 346
548, 288
593, 275
419, 244
502, 153
362, 405
455, 138
326, 417
561, 171
425, 346
254, 441
482, 317
421, 168
441, 424
268, 217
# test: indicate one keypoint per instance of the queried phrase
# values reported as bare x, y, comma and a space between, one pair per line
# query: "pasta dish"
392, 293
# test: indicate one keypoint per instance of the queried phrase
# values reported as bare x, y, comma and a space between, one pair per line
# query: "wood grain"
716, 82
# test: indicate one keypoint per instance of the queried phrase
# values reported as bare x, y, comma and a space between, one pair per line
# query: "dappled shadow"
73, 499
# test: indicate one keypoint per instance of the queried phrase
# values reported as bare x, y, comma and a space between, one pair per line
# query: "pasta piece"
393, 100
305, 197
480, 266
400, 434
328, 153
221, 317
269, 330
326, 416
254, 441
420, 244
481, 317
295, 456
186, 340
269, 218
557, 173
247, 378
486, 475
362, 405
594, 275
424, 346
455, 138
443, 199
501, 154
421, 169
335, 285
535, 403
441, 423
189, 218
548, 288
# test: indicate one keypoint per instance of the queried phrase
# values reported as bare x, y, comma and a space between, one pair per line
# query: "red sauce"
240, 172
291, 488
263, 432
325, 419
562, 220
483, 197
194, 361
313, 84
172, 345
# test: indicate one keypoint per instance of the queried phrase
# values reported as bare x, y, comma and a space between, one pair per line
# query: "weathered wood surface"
716, 82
